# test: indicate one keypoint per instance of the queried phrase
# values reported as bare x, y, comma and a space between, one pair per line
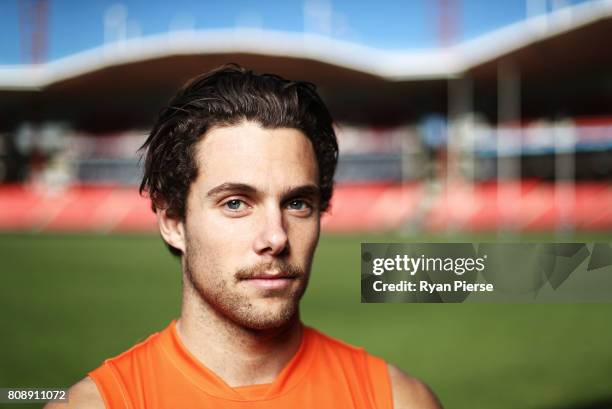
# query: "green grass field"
69, 301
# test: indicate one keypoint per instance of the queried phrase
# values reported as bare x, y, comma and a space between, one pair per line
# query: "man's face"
252, 223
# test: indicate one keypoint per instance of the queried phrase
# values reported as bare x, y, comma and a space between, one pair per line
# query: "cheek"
221, 237
304, 237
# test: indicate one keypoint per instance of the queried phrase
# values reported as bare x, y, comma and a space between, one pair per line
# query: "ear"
172, 229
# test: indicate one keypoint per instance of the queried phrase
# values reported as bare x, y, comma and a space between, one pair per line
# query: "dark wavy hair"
227, 96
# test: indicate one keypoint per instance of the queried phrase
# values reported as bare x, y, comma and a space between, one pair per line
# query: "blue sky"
75, 26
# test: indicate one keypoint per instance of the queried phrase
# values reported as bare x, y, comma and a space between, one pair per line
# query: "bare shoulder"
82, 395
409, 392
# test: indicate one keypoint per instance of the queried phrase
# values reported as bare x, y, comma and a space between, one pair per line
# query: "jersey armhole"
381, 382
110, 388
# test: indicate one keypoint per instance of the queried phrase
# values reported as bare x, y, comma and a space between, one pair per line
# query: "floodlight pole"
33, 16
565, 170
459, 189
508, 146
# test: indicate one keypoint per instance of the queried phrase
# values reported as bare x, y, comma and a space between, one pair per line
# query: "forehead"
248, 153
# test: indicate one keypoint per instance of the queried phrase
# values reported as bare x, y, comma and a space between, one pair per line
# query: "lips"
270, 283
278, 275
271, 276
270, 280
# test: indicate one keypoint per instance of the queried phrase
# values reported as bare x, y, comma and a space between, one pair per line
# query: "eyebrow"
310, 190
231, 187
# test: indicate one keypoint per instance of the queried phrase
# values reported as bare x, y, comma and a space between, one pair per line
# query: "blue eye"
297, 204
233, 204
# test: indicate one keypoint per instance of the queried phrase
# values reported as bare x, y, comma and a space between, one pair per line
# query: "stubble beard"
223, 295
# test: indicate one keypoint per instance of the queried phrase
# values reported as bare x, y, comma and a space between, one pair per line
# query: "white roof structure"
392, 66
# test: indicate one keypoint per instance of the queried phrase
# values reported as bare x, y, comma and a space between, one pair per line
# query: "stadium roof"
562, 58
387, 65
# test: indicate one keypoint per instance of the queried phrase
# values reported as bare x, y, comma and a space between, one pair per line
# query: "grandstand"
511, 130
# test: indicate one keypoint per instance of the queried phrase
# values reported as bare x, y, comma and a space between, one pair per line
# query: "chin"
267, 317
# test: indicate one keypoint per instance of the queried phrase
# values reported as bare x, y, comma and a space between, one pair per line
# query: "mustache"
275, 269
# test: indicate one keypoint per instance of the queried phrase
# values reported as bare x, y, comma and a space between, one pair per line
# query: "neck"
238, 355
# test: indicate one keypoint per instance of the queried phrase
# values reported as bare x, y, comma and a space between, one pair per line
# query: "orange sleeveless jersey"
325, 373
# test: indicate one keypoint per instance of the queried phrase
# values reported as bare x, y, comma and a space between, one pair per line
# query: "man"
239, 168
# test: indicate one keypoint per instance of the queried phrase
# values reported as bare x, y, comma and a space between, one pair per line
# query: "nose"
272, 238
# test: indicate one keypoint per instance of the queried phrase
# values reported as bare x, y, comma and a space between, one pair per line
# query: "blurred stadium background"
505, 136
